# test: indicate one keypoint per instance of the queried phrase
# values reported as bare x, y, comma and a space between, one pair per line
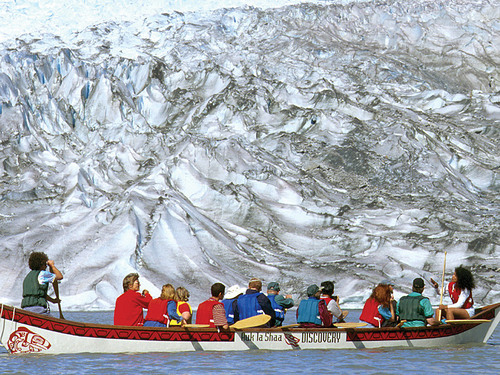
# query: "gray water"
471, 359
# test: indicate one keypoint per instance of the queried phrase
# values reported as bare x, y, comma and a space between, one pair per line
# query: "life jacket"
228, 308
278, 309
455, 292
174, 322
156, 309
248, 305
205, 314
370, 312
410, 308
309, 311
34, 294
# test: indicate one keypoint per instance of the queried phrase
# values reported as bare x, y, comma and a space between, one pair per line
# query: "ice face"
338, 140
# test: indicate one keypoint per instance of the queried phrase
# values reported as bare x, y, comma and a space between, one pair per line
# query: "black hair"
38, 261
217, 289
327, 287
465, 280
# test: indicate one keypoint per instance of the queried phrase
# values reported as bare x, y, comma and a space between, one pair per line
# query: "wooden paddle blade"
196, 325
349, 325
288, 326
467, 321
254, 321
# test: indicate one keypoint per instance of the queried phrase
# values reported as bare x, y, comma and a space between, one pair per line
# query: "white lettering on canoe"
261, 336
320, 337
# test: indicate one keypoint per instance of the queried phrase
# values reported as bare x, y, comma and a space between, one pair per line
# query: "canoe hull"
25, 332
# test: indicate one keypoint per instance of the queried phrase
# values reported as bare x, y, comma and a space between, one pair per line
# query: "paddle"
254, 321
192, 325
349, 325
438, 315
467, 321
56, 291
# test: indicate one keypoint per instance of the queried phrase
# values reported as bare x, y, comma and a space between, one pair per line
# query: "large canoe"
25, 332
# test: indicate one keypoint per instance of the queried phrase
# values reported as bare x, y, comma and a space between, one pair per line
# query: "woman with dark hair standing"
460, 291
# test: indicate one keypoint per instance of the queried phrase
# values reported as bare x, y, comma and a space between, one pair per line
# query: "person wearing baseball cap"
278, 302
415, 308
312, 312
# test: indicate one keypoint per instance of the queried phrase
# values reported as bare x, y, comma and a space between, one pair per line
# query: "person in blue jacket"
252, 303
232, 294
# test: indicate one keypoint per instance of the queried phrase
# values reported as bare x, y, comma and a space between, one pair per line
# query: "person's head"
182, 293
131, 281
38, 261
273, 288
464, 278
218, 290
327, 288
313, 291
418, 285
388, 282
255, 283
168, 293
382, 294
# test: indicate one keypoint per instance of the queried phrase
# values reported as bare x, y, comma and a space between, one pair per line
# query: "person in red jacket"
128, 306
162, 311
212, 311
378, 308
460, 291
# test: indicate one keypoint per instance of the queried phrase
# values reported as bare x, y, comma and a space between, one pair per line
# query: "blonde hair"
182, 293
168, 293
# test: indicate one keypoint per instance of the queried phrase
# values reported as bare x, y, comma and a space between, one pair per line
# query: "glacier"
300, 142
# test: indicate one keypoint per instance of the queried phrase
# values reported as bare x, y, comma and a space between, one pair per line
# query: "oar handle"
438, 315
55, 284
442, 280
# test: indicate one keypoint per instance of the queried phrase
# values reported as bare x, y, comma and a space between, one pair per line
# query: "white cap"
234, 292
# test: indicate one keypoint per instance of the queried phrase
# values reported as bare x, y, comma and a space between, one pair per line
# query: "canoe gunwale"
487, 312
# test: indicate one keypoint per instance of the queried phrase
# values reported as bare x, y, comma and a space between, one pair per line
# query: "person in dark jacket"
415, 308
36, 283
253, 302
279, 302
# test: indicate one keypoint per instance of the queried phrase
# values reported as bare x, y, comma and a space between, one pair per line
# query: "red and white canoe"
25, 332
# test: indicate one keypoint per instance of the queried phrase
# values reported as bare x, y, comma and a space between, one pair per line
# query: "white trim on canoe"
25, 332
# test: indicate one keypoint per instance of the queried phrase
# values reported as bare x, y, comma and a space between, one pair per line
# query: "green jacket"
414, 308
34, 294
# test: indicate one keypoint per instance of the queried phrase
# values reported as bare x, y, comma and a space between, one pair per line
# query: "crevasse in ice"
353, 141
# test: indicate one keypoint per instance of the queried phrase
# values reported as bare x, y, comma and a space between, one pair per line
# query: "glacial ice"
298, 142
